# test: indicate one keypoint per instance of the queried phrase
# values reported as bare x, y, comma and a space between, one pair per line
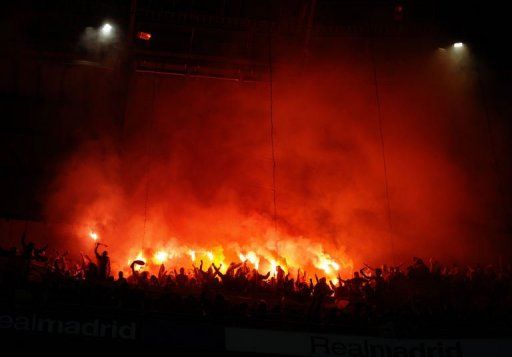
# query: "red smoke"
194, 164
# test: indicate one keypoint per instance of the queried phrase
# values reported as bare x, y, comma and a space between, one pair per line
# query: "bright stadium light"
458, 45
106, 30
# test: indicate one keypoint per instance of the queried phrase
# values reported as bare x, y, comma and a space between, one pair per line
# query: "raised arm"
96, 251
364, 274
83, 258
367, 266
236, 266
217, 270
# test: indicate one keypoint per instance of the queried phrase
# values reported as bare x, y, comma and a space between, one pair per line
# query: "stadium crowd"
422, 298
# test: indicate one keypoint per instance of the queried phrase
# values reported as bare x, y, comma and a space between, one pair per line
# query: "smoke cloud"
194, 164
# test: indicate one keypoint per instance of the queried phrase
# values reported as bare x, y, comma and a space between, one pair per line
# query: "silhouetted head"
418, 261
182, 270
356, 274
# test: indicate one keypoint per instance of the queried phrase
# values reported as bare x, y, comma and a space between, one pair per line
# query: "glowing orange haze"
264, 251
190, 176
290, 255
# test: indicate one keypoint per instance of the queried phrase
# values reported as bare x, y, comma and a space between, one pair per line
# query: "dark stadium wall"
193, 160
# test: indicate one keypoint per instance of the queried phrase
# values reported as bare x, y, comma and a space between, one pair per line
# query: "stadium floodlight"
106, 30
458, 45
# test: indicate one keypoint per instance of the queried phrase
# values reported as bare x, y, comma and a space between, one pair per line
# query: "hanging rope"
383, 151
271, 109
494, 154
149, 158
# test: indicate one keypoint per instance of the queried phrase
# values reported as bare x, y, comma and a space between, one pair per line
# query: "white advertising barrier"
318, 344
